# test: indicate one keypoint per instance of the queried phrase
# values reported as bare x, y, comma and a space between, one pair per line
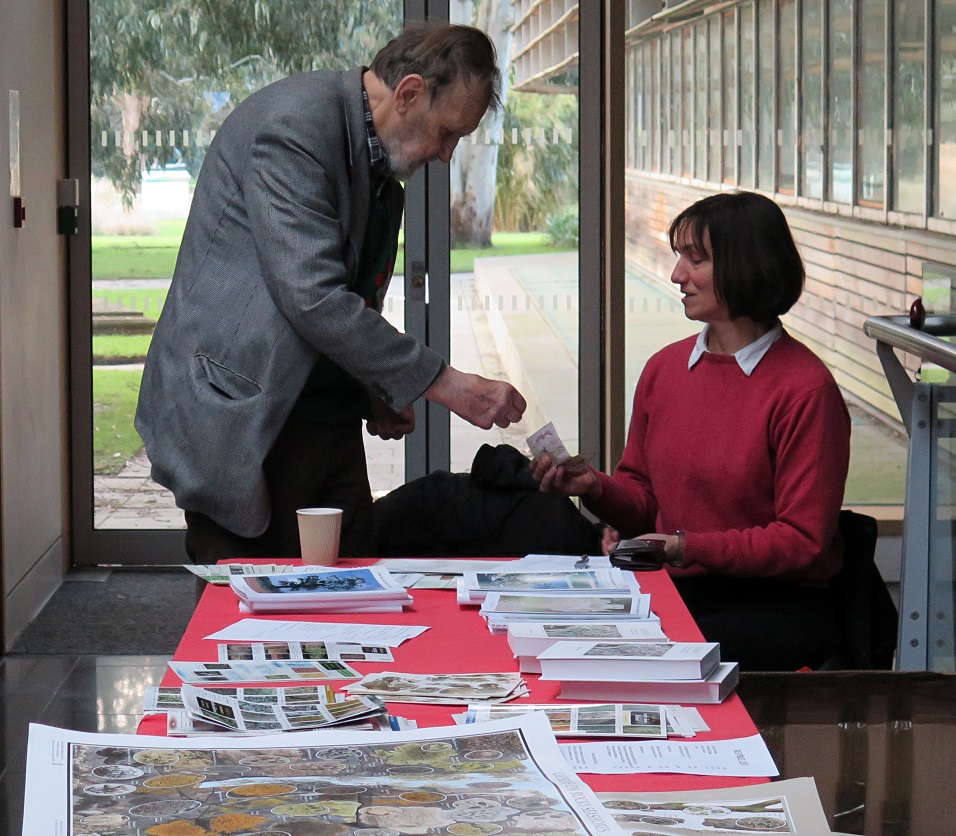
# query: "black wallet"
638, 555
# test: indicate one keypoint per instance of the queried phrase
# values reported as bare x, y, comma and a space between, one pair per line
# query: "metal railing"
928, 410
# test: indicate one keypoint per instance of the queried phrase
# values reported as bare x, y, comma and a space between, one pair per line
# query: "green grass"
138, 256
154, 256
110, 349
503, 243
114, 403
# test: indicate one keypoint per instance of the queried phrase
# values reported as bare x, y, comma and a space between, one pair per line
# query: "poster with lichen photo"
791, 806
502, 777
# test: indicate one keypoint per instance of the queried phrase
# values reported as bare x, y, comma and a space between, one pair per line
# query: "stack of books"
316, 590
474, 587
650, 671
501, 609
527, 639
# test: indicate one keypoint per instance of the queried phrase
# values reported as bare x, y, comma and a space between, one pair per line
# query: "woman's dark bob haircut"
442, 54
758, 272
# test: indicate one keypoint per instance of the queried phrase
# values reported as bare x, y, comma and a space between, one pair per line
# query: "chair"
867, 614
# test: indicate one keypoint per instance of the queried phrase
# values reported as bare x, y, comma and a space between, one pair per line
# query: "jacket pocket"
225, 381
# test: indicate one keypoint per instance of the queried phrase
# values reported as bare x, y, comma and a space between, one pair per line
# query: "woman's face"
694, 275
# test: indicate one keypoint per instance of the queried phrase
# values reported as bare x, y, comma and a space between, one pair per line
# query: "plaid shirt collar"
378, 157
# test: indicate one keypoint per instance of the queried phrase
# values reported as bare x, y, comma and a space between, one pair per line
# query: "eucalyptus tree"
165, 73
474, 167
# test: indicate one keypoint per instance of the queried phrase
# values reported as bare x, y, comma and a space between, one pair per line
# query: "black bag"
494, 511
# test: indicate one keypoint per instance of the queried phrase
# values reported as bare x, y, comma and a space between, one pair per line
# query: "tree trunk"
475, 164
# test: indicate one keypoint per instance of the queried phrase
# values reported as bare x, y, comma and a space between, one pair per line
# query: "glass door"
162, 78
490, 242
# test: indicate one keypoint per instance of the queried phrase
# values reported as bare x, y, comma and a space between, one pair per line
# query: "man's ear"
409, 93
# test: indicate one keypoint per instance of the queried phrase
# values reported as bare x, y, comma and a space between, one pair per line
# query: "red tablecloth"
459, 641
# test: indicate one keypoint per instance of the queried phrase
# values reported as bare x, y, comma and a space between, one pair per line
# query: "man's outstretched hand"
480, 401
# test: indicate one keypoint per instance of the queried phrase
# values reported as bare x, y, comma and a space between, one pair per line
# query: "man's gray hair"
442, 54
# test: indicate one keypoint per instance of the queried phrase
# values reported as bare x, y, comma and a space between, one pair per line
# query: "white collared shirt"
748, 357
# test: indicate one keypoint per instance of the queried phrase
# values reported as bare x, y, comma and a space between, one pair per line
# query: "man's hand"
387, 424
573, 478
482, 402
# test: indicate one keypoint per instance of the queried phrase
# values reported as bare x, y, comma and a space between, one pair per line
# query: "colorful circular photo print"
165, 809
437, 746
264, 759
305, 808
172, 781
422, 796
156, 757
260, 790
105, 821
109, 788
117, 772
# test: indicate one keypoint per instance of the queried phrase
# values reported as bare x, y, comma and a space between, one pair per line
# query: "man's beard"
402, 165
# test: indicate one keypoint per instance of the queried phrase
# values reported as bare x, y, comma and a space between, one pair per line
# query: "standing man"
271, 347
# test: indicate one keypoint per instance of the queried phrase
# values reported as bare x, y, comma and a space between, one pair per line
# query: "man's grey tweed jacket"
261, 289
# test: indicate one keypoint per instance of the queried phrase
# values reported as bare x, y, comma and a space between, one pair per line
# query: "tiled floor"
86, 693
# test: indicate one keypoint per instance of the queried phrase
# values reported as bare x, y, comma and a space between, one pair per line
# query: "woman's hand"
610, 537
573, 478
672, 546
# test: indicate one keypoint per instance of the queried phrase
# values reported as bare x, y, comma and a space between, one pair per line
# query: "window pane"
747, 78
700, 102
514, 304
674, 109
946, 96
872, 108
687, 102
156, 100
812, 101
647, 110
786, 92
767, 128
663, 95
909, 150
655, 78
840, 78
714, 120
730, 98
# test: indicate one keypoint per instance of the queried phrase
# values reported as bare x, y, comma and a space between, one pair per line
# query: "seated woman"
738, 447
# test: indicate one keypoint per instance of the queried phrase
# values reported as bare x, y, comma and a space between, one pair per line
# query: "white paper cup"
319, 531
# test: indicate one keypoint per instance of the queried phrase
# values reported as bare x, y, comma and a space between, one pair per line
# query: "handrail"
897, 332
